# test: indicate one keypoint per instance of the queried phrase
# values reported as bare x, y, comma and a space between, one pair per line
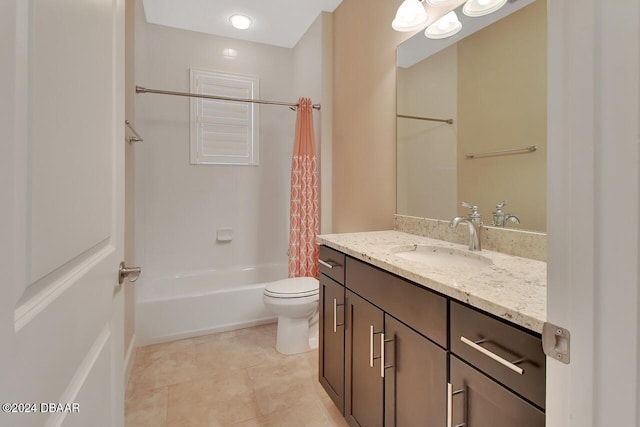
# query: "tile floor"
232, 378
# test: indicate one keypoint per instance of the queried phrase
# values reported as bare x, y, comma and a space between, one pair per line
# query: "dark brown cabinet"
331, 332
395, 375
507, 354
478, 401
415, 378
398, 354
364, 383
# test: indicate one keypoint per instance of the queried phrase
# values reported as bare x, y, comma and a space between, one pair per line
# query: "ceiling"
275, 22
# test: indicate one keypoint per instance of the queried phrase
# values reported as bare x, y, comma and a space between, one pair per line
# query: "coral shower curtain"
305, 222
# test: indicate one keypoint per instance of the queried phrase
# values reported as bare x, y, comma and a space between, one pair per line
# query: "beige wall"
427, 160
503, 79
312, 58
364, 123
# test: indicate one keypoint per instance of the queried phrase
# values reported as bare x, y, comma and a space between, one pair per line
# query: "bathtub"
199, 303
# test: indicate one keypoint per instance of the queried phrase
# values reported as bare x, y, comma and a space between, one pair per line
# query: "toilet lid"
293, 287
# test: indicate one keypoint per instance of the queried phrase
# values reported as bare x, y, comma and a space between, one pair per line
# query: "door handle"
131, 272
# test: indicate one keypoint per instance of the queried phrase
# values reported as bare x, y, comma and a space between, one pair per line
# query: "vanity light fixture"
410, 16
240, 22
442, 3
444, 27
476, 8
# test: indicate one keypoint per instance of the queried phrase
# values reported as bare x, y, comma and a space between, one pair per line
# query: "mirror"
493, 85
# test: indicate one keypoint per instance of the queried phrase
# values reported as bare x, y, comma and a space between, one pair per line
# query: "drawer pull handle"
335, 315
494, 356
329, 264
450, 394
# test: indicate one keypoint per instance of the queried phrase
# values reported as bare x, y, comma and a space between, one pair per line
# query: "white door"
61, 212
594, 211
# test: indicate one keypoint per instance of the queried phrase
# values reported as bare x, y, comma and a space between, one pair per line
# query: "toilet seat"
296, 287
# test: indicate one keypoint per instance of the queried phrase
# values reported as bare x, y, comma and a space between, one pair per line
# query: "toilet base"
296, 336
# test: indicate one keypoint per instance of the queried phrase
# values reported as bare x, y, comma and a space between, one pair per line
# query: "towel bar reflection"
136, 136
523, 150
430, 119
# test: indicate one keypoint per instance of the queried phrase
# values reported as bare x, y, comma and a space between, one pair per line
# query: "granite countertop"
512, 288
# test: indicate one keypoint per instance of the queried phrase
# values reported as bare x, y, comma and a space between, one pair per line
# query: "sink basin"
437, 256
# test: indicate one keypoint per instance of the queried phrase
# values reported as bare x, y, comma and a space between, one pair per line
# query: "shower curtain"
304, 214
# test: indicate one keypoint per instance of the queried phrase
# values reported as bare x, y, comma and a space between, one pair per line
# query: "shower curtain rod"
140, 89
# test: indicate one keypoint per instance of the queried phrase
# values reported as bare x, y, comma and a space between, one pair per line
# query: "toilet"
295, 301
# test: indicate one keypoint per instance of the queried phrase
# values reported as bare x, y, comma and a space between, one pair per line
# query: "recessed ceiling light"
229, 53
240, 22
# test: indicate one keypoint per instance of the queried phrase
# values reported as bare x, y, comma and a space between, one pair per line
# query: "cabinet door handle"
382, 355
328, 264
449, 405
335, 315
371, 346
450, 394
493, 356
371, 356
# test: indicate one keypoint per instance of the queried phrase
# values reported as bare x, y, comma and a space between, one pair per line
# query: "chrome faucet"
500, 218
474, 222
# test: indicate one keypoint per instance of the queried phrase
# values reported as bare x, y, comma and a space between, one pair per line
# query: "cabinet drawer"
477, 400
332, 264
414, 305
504, 352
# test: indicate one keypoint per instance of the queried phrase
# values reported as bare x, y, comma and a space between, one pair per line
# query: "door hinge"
556, 342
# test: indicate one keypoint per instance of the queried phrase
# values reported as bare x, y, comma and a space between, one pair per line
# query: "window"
224, 132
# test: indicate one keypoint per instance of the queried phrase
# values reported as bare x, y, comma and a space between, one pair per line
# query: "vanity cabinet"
364, 384
331, 325
510, 355
395, 375
413, 357
415, 379
495, 368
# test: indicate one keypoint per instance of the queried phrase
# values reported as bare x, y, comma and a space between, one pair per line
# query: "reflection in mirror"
493, 85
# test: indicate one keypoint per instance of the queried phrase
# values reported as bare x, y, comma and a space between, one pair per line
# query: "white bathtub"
191, 304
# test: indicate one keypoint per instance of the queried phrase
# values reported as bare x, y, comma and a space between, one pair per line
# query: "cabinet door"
331, 350
364, 388
478, 401
415, 380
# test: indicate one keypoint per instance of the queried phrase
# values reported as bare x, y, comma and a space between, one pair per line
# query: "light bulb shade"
476, 8
441, 3
240, 22
410, 16
444, 27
